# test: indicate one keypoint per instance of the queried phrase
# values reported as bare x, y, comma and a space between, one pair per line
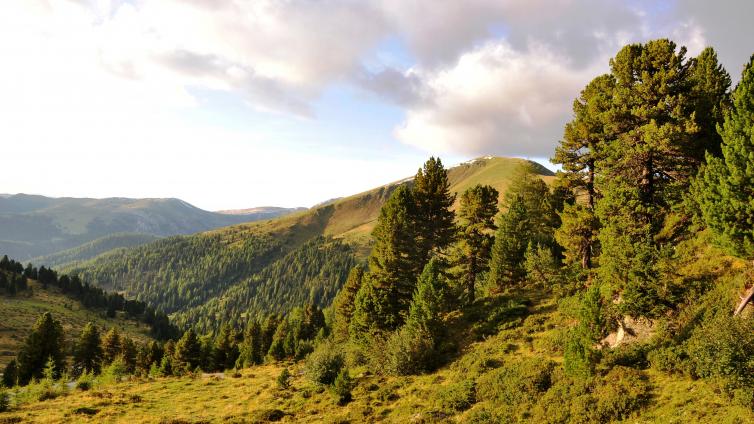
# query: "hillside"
509, 369
32, 225
221, 266
94, 248
20, 312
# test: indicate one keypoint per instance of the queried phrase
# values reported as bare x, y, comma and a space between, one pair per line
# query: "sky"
232, 104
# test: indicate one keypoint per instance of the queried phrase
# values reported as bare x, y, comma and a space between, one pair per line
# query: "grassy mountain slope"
186, 271
20, 312
508, 369
33, 225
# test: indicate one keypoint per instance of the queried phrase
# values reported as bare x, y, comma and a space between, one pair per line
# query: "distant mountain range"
33, 225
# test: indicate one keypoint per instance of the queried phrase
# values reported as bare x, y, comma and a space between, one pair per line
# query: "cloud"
496, 100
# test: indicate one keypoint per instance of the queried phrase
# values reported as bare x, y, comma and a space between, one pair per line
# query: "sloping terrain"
20, 312
184, 272
32, 225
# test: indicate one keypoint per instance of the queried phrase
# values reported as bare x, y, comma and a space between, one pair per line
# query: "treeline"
311, 274
274, 338
14, 280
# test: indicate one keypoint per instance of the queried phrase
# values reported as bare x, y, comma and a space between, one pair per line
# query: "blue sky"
232, 104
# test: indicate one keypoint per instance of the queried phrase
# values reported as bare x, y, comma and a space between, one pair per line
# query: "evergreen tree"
428, 301
128, 354
344, 303
581, 149
531, 217
511, 239
646, 168
88, 354
711, 96
188, 352
477, 213
111, 346
10, 374
45, 342
434, 219
251, 348
225, 351
725, 189
394, 263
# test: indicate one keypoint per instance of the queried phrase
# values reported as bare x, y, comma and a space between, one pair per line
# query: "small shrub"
633, 355
283, 380
621, 392
85, 381
724, 348
114, 372
457, 397
579, 358
267, 415
670, 359
481, 416
342, 387
85, 410
516, 382
324, 364
410, 350
4, 400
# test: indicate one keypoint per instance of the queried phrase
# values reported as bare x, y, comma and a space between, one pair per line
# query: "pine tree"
434, 218
111, 346
477, 213
395, 261
428, 301
45, 342
188, 352
88, 354
711, 96
646, 168
344, 303
584, 141
725, 189
128, 354
10, 374
225, 350
251, 348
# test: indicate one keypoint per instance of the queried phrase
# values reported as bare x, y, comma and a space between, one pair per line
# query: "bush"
324, 364
283, 380
579, 357
670, 359
114, 372
457, 397
518, 382
4, 400
633, 355
410, 350
724, 348
342, 387
85, 381
621, 392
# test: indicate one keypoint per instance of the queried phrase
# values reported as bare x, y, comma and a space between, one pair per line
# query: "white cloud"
496, 100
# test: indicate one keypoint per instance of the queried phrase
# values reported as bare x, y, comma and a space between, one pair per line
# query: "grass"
19, 314
253, 395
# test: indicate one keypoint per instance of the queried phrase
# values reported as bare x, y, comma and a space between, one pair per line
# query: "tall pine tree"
344, 303
477, 214
88, 354
434, 220
45, 342
725, 189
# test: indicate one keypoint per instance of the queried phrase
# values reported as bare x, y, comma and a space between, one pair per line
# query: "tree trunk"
744, 301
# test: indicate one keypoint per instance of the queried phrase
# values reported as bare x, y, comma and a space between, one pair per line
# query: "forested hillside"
247, 268
32, 226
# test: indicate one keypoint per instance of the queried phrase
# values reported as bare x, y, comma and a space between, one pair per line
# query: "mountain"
199, 278
94, 248
262, 212
33, 225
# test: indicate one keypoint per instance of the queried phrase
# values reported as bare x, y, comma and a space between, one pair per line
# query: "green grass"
254, 393
19, 314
